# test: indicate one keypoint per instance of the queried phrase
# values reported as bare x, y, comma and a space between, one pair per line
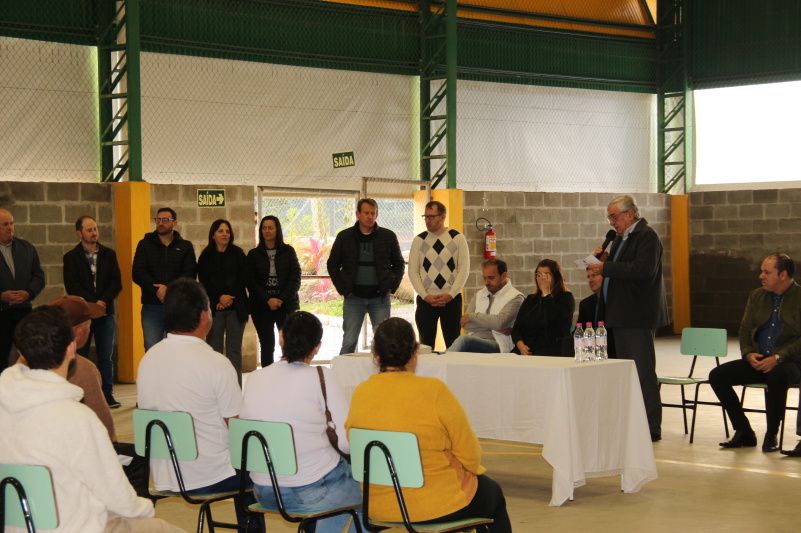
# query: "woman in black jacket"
543, 321
221, 270
273, 284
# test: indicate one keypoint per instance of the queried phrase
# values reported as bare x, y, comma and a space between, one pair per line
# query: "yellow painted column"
453, 200
132, 216
680, 259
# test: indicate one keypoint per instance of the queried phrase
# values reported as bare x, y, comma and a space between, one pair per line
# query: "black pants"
9, 318
426, 316
741, 372
488, 502
265, 323
136, 472
637, 344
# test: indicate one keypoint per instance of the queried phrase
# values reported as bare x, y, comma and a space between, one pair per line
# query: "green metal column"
674, 97
438, 90
450, 23
118, 47
134, 92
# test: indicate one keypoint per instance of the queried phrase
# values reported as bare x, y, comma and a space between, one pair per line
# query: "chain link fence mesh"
48, 111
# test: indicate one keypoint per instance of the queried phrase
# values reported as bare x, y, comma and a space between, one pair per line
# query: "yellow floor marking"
737, 468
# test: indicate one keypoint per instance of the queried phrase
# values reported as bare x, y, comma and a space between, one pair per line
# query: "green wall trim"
63, 21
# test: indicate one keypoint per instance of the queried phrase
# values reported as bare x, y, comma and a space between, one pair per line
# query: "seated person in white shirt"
491, 313
43, 422
290, 391
183, 373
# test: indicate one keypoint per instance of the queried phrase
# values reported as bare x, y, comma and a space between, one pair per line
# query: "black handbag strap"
331, 428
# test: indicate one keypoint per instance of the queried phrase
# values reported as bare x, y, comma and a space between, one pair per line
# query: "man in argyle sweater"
438, 266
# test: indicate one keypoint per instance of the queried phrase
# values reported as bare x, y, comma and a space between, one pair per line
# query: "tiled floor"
700, 487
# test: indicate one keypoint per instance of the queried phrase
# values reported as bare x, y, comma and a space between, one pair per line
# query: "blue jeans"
335, 489
153, 324
468, 343
103, 330
353, 316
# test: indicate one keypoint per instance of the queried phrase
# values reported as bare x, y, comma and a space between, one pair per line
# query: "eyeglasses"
165, 220
614, 216
432, 217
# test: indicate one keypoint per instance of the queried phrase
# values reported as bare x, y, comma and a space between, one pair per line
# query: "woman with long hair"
290, 391
222, 272
273, 284
543, 321
455, 484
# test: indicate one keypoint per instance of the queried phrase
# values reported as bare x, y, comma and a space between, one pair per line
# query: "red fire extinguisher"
490, 246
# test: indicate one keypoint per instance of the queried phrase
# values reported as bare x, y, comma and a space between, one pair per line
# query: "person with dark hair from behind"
273, 283
290, 391
455, 484
222, 272
770, 344
42, 422
183, 373
543, 321
161, 257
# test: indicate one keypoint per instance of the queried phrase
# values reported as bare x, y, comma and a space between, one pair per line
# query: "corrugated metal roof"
634, 18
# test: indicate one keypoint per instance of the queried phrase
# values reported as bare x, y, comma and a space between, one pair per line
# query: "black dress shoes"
741, 439
656, 437
770, 444
795, 452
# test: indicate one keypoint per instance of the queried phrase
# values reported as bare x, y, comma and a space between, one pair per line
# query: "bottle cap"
589, 324
600, 322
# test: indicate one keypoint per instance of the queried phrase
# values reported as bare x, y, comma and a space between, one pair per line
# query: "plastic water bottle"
589, 342
578, 343
600, 342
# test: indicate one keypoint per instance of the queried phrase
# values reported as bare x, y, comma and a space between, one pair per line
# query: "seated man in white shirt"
183, 373
491, 313
43, 422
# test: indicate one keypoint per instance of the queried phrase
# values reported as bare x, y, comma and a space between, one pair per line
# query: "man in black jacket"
91, 271
366, 266
161, 257
590, 309
21, 279
634, 298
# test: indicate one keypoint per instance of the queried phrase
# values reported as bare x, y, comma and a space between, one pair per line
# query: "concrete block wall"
532, 226
45, 215
730, 233
194, 223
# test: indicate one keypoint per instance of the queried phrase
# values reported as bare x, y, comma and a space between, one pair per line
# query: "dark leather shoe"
795, 452
770, 444
656, 437
741, 439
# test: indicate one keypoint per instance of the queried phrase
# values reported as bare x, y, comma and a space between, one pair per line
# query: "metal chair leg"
684, 409
201, 516
695, 412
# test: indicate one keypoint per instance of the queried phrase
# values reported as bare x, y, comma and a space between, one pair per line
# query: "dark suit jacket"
587, 310
636, 293
78, 276
28, 272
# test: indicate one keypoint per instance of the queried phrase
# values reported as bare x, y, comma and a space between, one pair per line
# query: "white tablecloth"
589, 417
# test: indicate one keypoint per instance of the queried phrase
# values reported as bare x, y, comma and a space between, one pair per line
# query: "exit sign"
343, 159
211, 197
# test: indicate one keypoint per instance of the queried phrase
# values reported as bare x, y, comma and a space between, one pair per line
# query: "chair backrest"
38, 487
180, 426
405, 452
280, 442
710, 342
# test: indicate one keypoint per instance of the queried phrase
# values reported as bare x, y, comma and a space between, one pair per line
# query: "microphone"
610, 236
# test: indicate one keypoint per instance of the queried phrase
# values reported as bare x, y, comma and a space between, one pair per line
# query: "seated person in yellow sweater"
455, 486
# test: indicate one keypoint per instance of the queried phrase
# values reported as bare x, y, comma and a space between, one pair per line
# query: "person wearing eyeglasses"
439, 262
161, 257
633, 296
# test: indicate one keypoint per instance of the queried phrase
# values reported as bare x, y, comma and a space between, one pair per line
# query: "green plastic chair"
269, 448
171, 435
392, 458
35, 504
698, 342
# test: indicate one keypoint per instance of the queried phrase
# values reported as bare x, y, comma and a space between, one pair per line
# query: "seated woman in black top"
544, 319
